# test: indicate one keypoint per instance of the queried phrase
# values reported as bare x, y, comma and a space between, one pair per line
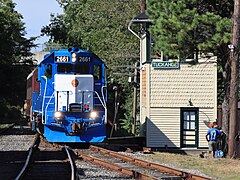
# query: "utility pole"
143, 35
134, 113
143, 6
234, 49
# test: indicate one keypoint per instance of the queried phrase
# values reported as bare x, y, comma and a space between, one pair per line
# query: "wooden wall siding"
206, 115
175, 87
163, 127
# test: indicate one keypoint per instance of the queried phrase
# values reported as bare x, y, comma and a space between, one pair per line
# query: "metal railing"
101, 99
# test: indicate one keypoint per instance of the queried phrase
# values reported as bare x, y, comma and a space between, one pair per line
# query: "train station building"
178, 101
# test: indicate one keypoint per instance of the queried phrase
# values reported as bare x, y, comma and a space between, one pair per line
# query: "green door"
189, 127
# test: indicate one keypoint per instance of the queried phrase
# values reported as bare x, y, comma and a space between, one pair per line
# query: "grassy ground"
224, 168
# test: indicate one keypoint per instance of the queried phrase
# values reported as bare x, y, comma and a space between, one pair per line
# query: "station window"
97, 72
189, 120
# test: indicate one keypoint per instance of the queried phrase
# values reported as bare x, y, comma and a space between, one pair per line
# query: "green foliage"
9, 112
126, 124
15, 61
98, 26
182, 27
56, 30
127, 121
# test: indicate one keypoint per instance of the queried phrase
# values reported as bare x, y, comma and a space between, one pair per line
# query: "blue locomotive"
66, 95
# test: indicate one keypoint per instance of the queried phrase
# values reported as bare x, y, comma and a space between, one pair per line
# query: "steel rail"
114, 167
169, 170
27, 162
73, 167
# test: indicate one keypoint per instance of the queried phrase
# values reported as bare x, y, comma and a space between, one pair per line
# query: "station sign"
165, 65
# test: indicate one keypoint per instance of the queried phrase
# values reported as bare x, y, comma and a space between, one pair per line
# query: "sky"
36, 14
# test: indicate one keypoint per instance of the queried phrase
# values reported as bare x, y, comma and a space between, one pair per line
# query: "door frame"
188, 109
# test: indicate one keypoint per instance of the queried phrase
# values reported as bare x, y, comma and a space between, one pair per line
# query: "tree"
234, 59
14, 56
56, 30
100, 27
184, 27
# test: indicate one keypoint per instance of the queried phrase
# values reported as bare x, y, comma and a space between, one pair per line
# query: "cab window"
48, 71
97, 72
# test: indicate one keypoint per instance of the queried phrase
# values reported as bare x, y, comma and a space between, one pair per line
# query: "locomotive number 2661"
62, 59
84, 59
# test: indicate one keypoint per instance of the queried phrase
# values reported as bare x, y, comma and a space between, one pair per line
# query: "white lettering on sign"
165, 65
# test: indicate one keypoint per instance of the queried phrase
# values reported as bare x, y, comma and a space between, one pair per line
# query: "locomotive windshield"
81, 68
74, 68
64, 68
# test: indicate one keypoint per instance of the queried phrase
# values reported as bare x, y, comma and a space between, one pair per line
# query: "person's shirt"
213, 133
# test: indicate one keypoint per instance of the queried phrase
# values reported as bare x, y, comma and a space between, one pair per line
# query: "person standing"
212, 137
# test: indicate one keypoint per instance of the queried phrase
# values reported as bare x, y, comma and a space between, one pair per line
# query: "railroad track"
132, 167
24, 155
46, 161
15, 142
42, 160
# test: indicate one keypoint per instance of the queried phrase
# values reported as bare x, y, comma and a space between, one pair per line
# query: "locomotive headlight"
93, 114
74, 57
58, 115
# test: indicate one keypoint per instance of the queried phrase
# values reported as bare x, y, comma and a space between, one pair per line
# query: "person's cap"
211, 124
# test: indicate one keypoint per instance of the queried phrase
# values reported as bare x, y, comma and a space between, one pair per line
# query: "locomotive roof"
70, 50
